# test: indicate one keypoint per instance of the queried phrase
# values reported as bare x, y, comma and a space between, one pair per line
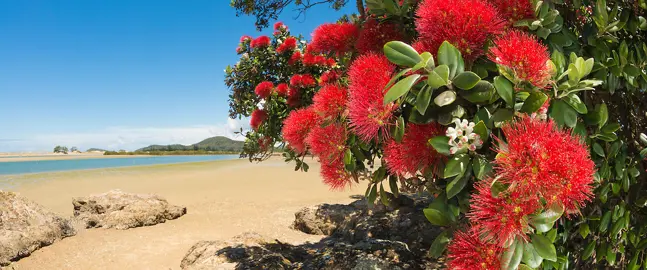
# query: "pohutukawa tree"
524, 120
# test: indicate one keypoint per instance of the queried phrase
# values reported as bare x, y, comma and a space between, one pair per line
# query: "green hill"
95, 149
217, 143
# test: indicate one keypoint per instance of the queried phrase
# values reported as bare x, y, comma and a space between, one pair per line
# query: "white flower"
462, 137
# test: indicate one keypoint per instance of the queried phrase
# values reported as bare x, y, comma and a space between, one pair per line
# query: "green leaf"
372, 195
455, 186
544, 247
439, 77
584, 230
445, 98
441, 144
501, 115
400, 88
399, 129
524, 267
603, 113
456, 165
611, 255
396, 77
483, 92
481, 130
576, 103
401, 53
505, 89
481, 167
597, 148
511, 258
559, 61
423, 99
544, 221
573, 74
563, 114
633, 264
427, 61
393, 184
610, 128
383, 196
588, 251
530, 256
436, 216
604, 223
450, 56
534, 102
466, 80
439, 245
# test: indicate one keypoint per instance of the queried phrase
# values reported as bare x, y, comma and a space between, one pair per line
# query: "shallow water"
39, 166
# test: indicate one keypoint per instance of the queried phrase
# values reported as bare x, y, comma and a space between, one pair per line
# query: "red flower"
540, 159
514, 10
302, 80
328, 142
296, 56
413, 153
333, 37
264, 89
245, 38
375, 34
264, 143
257, 118
330, 62
335, 175
467, 252
282, 89
328, 77
330, 101
466, 24
288, 44
368, 76
259, 42
297, 126
500, 219
280, 26
524, 55
294, 97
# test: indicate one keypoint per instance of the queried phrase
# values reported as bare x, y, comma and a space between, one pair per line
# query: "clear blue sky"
120, 73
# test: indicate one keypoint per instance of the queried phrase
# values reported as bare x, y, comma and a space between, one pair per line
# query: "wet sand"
223, 199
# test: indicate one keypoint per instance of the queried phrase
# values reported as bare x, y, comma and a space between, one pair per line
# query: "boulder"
121, 210
359, 237
26, 226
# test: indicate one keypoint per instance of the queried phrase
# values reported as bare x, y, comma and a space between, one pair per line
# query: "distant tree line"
169, 152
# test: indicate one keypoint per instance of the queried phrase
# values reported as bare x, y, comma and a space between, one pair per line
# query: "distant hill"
95, 149
217, 143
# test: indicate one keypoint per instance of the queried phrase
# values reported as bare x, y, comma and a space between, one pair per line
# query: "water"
23, 167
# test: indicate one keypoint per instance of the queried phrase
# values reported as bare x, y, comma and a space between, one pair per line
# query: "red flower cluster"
282, 89
413, 153
302, 80
514, 10
288, 44
328, 77
260, 42
297, 126
257, 118
541, 166
264, 89
333, 37
330, 101
279, 26
500, 219
369, 74
296, 56
335, 175
317, 60
245, 38
467, 252
541, 160
524, 55
466, 24
328, 142
375, 34
264, 143
294, 97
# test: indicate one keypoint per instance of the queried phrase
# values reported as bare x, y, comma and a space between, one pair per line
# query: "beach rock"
26, 226
359, 237
213, 255
121, 210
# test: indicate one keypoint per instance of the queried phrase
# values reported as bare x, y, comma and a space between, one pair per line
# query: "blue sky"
121, 74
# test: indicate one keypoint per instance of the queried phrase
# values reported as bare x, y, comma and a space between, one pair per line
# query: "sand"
223, 199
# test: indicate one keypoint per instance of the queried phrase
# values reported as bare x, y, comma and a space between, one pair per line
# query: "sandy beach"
223, 199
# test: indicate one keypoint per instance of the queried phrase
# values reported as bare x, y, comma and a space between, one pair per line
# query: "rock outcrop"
359, 237
121, 210
26, 226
